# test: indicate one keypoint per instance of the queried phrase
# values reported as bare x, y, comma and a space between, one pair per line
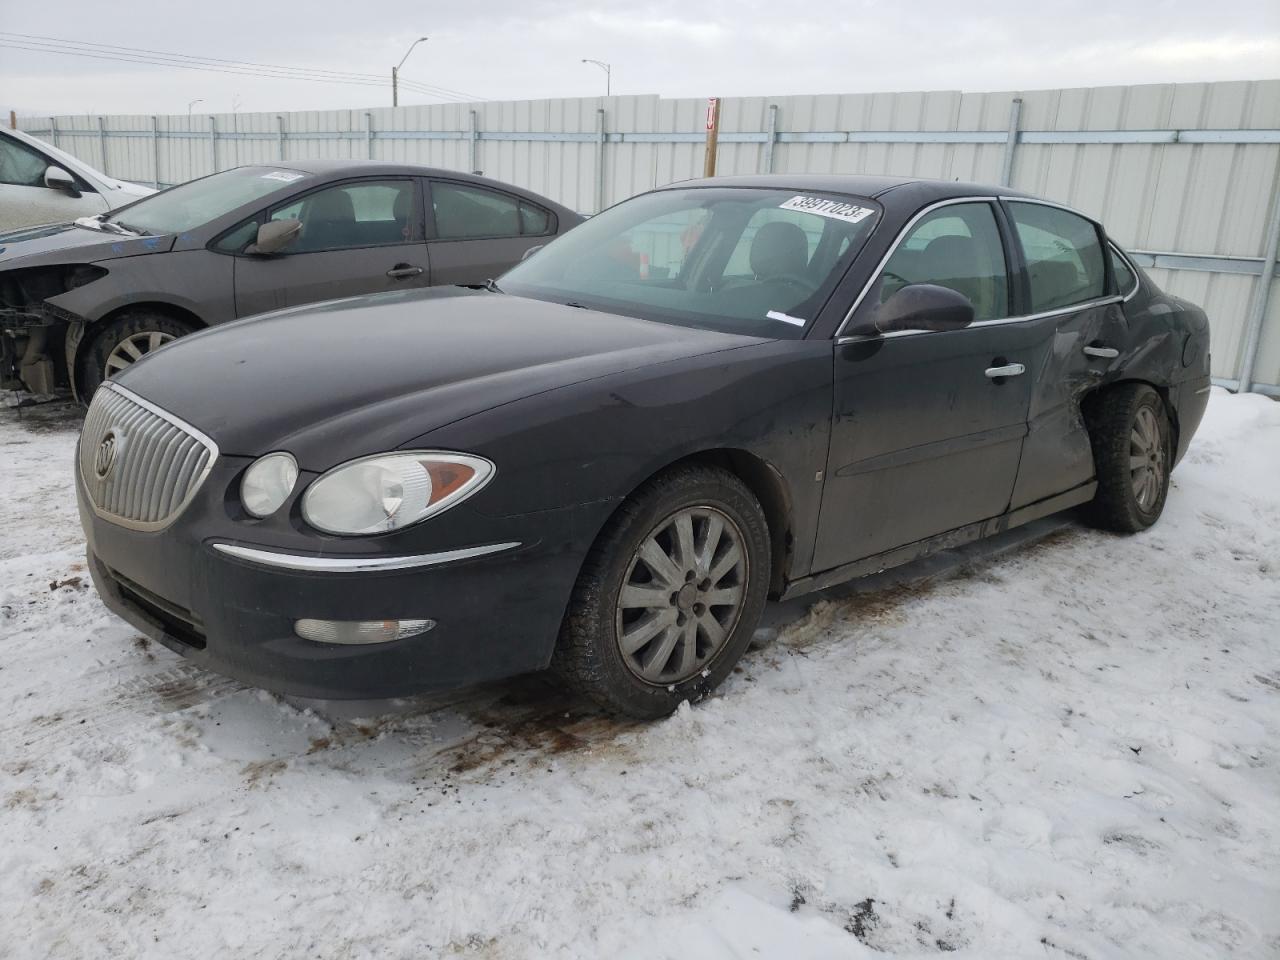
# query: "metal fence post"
280, 135
368, 134
600, 138
473, 148
213, 141
1011, 141
102, 142
53, 127
1262, 294
771, 137
155, 151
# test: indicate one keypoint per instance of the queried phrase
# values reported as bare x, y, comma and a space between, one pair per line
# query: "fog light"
360, 631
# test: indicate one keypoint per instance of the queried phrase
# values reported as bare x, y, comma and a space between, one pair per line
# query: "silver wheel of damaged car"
134, 347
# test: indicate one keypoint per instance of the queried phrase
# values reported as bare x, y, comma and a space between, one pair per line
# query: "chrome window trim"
840, 338
1024, 318
1137, 282
314, 564
196, 485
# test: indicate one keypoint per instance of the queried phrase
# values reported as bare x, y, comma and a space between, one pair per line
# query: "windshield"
194, 204
744, 260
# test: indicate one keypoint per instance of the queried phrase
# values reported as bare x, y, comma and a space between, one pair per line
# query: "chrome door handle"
1008, 370
402, 270
1106, 353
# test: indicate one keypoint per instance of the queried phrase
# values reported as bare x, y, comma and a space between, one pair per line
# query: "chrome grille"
139, 464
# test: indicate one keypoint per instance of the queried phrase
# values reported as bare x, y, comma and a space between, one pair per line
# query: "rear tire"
122, 341
691, 549
1133, 455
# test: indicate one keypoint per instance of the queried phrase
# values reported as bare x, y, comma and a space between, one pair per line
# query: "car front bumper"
496, 614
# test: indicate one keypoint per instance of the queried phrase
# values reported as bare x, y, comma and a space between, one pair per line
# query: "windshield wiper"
118, 228
580, 306
136, 231
492, 286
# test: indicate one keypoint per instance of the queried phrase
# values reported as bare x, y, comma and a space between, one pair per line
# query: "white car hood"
125, 192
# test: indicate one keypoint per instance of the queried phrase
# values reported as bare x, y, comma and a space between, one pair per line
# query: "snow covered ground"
1062, 745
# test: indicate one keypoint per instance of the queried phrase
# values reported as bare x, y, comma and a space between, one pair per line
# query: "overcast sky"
524, 49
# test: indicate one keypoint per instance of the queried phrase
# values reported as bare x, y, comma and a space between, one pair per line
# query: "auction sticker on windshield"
284, 176
835, 209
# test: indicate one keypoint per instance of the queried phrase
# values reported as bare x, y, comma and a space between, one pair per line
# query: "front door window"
955, 246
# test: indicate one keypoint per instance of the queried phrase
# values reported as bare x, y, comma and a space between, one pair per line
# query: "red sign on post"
712, 103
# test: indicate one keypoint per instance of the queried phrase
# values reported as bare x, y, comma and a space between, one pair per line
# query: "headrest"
779, 249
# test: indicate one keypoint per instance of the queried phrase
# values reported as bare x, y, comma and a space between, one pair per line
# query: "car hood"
351, 377
67, 243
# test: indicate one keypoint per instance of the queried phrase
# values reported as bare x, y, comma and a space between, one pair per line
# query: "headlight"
390, 491
268, 483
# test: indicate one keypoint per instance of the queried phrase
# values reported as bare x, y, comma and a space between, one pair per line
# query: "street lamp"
395, 73
608, 72
193, 103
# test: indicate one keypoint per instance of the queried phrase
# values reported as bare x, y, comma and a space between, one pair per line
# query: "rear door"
1070, 293
25, 200
358, 236
926, 430
478, 233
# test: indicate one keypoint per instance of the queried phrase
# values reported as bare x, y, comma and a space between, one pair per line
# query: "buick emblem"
105, 458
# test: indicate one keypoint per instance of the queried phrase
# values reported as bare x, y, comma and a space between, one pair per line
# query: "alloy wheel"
1147, 461
682, 595
134, 347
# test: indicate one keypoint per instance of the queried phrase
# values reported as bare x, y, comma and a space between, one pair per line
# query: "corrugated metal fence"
1186, 176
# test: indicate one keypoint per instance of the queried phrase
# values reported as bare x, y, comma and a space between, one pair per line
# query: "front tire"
669, 595
122, 342
1133, 455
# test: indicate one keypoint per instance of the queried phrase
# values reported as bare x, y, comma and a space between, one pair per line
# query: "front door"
357, 237
928, 427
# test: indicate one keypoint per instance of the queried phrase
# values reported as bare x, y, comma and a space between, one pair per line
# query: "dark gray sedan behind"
80, 301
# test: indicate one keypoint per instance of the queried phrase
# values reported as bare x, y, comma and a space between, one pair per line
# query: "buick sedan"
605, 463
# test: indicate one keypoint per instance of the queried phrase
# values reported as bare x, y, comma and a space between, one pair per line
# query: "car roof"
377, 168
876, 187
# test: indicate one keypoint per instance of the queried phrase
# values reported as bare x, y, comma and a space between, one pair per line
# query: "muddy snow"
1061, 744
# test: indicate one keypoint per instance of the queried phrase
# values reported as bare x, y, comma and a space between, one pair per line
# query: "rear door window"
468, 213
1063, 253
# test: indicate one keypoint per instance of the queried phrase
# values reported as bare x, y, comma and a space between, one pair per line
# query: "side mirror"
274, 236
531, 251
924, 306
55, 178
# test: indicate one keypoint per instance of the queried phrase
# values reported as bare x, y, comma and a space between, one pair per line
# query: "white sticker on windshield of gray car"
786, 318
284, 176
835, 209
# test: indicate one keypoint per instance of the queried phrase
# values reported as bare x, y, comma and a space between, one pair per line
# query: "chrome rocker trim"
313, 564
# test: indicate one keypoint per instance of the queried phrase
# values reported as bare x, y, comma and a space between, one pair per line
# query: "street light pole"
608, 74
395, 73
192, 104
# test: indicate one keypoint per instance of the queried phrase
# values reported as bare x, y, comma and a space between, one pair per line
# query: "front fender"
597, 441
198, 282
